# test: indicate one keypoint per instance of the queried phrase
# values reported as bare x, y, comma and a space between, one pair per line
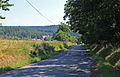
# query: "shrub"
3, 69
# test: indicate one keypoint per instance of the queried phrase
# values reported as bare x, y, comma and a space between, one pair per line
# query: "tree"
60, 36
97, 21
63, 27
62, 33
4, 6
27, 32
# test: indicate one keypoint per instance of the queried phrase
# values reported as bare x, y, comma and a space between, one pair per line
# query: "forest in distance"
28, 32
97, 27
22, 32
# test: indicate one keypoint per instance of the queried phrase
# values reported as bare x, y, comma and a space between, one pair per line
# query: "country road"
72, 63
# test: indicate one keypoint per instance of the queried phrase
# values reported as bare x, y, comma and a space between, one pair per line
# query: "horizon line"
29, 25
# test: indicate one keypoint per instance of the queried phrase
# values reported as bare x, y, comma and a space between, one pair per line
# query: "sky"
22, 14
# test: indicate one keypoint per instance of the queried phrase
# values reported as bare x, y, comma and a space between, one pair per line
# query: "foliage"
29, 32
105, 68
63, 27
23, 32
106, 58
114, 57
42, 49
79, 39
97, 21
4, 6
63, 34
3, 69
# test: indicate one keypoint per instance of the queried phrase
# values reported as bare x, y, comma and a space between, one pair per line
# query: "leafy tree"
63, 27
97, 21
4, 6
60, 36
63, 33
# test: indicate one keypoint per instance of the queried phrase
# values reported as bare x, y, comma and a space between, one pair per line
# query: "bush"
3, 69
37, 50
42, 49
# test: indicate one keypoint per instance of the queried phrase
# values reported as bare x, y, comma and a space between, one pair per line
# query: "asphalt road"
72, 63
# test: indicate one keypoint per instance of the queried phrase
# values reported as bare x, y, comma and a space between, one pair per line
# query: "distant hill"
22, 32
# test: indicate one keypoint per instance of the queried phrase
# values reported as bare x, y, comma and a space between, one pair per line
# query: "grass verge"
105, 68
16, 53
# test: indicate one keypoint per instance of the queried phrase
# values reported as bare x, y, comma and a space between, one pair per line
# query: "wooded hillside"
22, 32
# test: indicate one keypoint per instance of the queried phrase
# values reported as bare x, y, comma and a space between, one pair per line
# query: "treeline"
23, 32
99, 24
97, 21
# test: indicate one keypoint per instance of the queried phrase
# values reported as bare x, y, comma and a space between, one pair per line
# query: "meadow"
16, 53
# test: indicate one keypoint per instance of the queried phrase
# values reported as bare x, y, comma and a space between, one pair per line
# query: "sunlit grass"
15, 53
105, 68
103, 60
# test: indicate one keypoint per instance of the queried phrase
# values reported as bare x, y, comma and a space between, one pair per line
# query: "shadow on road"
72, 63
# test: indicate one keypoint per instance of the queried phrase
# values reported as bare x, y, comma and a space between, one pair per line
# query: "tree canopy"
97, 21
4, 4
63, 27
23, 32
63, 33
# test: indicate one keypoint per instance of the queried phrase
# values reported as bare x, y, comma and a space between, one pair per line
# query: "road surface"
72, 63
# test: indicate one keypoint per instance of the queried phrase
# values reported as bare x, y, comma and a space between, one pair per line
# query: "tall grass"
15, 53
105, 68
107, 59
